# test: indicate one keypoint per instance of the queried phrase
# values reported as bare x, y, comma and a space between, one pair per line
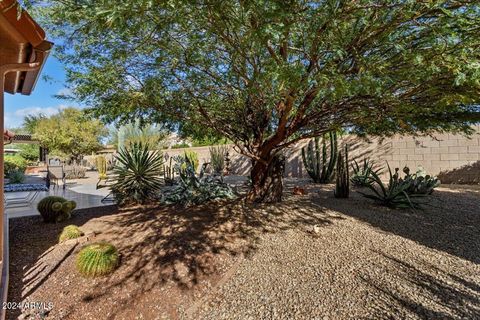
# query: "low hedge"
14, 163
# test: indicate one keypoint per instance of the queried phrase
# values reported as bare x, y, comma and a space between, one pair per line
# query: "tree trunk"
267, 180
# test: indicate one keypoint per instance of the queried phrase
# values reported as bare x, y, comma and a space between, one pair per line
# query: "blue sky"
42, 99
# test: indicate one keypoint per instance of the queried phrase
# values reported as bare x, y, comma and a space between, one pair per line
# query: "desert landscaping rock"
310, 257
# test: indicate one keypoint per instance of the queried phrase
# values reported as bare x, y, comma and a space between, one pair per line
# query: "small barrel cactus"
97, 259
70, 232
55, 209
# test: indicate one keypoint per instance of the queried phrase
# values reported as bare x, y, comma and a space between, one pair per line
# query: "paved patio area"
82, 191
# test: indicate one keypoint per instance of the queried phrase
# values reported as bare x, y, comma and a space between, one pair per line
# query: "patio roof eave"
23, 41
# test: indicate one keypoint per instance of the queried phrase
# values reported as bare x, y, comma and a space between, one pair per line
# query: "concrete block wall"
454, 158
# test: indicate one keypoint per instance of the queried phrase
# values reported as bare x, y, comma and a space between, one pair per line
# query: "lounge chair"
23, 201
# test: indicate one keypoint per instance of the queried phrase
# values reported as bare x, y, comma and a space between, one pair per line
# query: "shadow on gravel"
424, 290
162, 245
450, 222
31, 239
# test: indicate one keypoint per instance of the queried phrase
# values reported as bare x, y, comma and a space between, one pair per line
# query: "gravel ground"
310, 257
365, 262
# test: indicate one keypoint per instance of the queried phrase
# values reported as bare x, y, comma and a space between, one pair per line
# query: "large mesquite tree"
268, 73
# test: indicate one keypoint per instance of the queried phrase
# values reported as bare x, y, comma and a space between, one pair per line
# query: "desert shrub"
97, 259
395, 194
192, 189
16, 176
55, 209
138, 173
362, 175
75, 172
70, 232
180, 145
14, 163
217, 158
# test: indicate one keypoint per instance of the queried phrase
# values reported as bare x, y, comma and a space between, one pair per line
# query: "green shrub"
70, 232
16, 176
14, 163
138, 173
97, 259
55, 209
29, 152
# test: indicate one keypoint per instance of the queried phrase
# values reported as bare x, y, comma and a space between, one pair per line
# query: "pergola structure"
23, 51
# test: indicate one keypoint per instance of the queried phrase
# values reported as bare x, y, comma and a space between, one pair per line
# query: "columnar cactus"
169, 173
55, 209
342, 186
317, 166
101, 164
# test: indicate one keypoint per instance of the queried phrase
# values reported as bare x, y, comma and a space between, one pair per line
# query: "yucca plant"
97, 259
395, 194
362, 176
138, 173
70, 232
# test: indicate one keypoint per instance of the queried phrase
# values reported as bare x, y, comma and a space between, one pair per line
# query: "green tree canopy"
137, 132
69, 132
268, 73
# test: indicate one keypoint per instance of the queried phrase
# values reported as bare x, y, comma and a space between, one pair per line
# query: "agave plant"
395, 194
362, 176
138, 174
420, 182
192, 189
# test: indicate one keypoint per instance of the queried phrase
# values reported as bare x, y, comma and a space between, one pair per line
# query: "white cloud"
64, 92
15, 119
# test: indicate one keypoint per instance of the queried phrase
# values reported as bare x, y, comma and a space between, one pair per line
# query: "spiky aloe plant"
318, 168
138, 173
70, 232
342, 186
97, 259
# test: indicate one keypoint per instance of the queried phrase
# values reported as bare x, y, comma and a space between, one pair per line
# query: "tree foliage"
69, 132
268, 73
136, 132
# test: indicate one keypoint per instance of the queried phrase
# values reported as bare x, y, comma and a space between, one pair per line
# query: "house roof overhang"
22, 40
